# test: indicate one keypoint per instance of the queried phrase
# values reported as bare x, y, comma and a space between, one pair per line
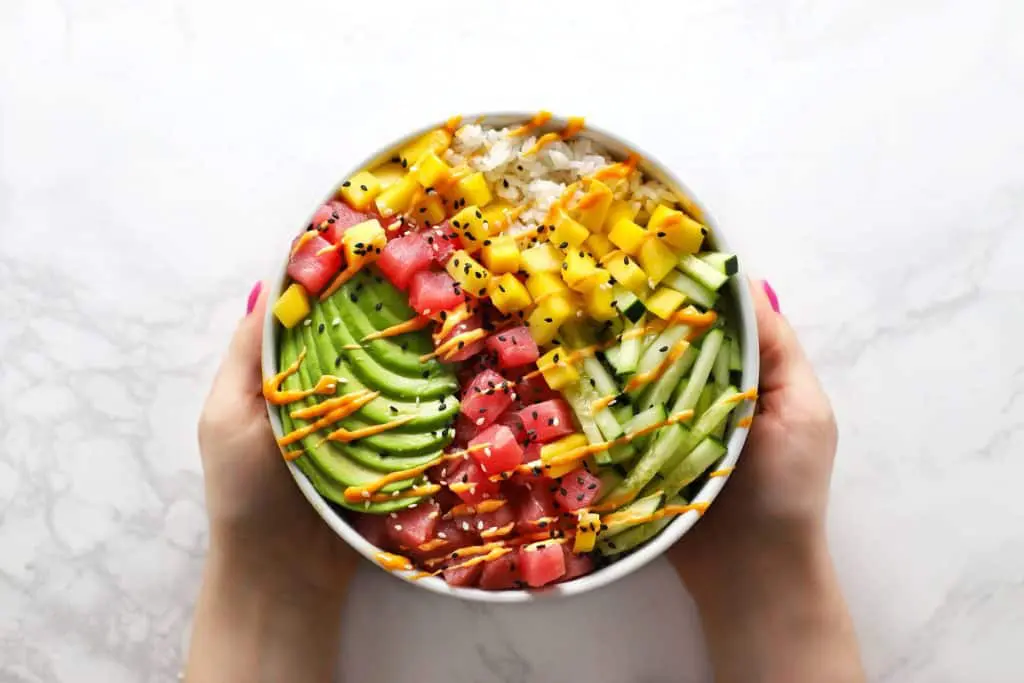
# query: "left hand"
259, 520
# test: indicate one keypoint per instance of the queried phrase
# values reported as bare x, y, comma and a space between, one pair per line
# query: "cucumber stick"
691, 289
720, 371
709, 348
641, 421
706, 453
610, 479
638, 508
660, 392
626, 355
626, 540
704, 426
725, 263
707, 397
655, 353
700, 271
656, 455
735, 358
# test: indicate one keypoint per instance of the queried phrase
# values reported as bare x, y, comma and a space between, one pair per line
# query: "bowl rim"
747, 328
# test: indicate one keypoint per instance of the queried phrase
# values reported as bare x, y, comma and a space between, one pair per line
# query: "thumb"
782, 357
240, 372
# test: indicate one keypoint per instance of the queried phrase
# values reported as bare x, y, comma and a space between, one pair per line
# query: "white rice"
539, 179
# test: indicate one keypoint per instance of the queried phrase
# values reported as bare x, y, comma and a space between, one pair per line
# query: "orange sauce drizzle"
640, 379
631, 518
361, 398
392, 562
538, 120
745, 422
341, 278
452, 318
356, 493
573, 126
338, 412
619, 170
345, 435
453, 123
510, 216
602, 403
497, 531
465, 509
293, 455
724, 472
305, 237
455, 344
412, 492
417, 323
276, 396
493, 555
748, 395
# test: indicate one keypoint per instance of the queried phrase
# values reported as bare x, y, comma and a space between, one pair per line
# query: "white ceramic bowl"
602, 577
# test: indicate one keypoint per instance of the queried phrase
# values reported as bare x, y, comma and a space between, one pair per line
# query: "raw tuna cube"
374, 529
443, 242
339, 217
468, 472
414, 525
542, 564
501, 453
467, 325
503, 572
433, 291
403, 257
534, 504
495, 519
576, 565
311, 269
486, 397
578, 489
515, 347
547, 421
463, 576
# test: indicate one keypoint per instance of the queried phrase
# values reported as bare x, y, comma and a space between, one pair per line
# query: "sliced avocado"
319, 349
383, 462
369, 371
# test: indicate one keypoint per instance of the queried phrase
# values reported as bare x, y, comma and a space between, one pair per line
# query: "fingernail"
772, 296
254, 294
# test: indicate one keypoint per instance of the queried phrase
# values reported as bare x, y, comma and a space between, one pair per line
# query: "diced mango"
599, 245
617, 211
508, 294
563, 445
556, 370
292, 306
360, 190
436, 142
548, 315
395, 198
430, 211
497, 215
542, 285
388, 174
469, 223
467, 271
363, 242
431, 170
656, 259
587, 526
593, 206
626, 271
677, 229
578, 266
542, 258
472, 189
567, 233
628, 236
664, 302
501, 254
598, 301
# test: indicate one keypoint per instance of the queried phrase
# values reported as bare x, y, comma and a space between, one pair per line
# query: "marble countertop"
155, 157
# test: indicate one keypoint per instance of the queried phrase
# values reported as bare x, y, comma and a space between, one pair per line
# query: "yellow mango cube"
568, 233
498, 215
626, 271
395, 198
587, 526
556, 370
677, 229
577, 268
388, 174
599, 245
292, 306
628, 236
501, 254
470, 224
468, 273
542, 258
363, 242
657, 260
436, 142
598, 301
564, 445
431, 170
543, 285
548, 315
471, 189
592, 208
618, 210
664, 302
430, 211
508, 294
360, 190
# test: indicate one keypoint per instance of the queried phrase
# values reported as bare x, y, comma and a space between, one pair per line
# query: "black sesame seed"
363, 188
661, 233
346, 183
379, 306
353, 298
320, 328
563, 245
663, 349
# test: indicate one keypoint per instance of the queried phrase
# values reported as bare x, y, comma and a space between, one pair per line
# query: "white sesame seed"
465, 526
480, 525
393, 515
413, 505
554, 422
336, 322
487, 451
479, 421
398, 527
307, 322
366, 494
441, 534
433, 514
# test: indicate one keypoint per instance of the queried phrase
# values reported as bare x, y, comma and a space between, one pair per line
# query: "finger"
240, 372
782, 357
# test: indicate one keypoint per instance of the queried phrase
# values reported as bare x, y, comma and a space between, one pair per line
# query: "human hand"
770, 517
259, 520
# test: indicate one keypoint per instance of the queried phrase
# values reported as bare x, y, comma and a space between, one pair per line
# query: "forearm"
253, 626
780, 619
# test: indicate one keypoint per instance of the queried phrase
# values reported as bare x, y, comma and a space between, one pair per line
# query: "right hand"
772, 510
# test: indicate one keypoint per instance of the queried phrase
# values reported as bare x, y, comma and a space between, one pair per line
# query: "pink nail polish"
254, 294
772, 297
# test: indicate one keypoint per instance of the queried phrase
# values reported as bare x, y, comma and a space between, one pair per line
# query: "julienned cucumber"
693, 465
638, 508
735, 357
703, 273
720, 371
610, 479
642, 420
631, 538
574, 397
705, 425
707, 397
579, 398
661, 391
687, 400
658, 349
626, 355
726, 264
659, 452
693, 290
627, 303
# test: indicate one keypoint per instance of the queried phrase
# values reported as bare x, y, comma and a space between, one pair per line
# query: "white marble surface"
155, 156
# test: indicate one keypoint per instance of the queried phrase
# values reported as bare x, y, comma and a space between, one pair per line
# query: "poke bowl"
510, 356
